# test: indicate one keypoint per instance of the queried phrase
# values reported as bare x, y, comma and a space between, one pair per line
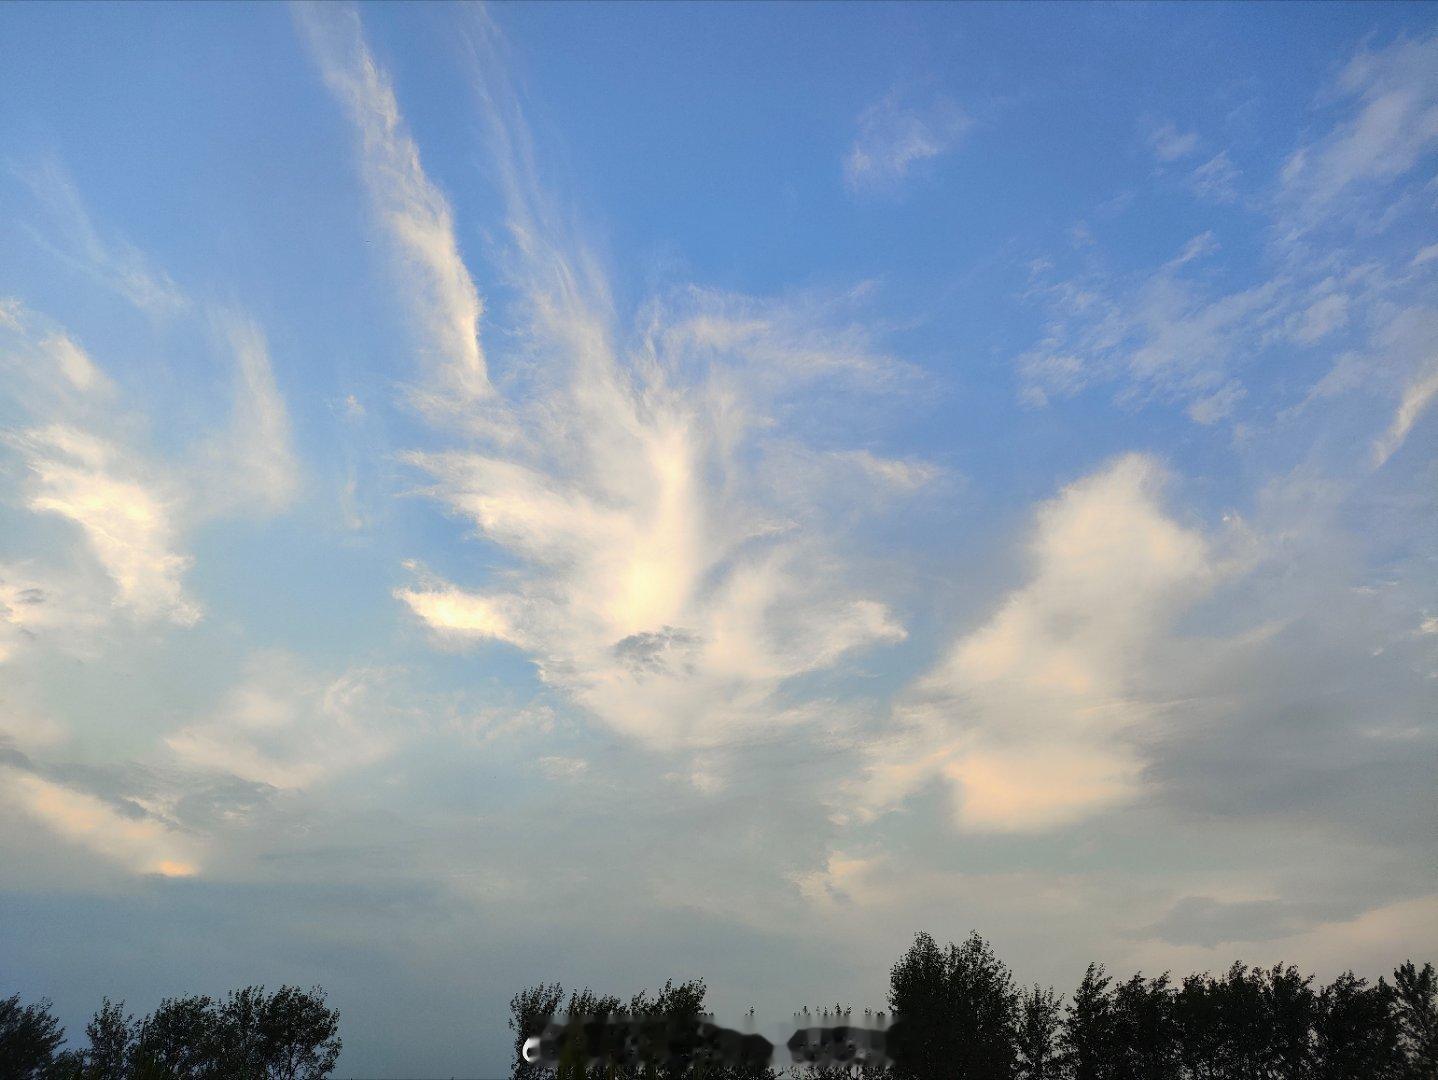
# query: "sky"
607, 493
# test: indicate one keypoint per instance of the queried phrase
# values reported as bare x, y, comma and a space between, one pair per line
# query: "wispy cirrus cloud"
288, 728
413, 211
1168, 334
1170, 144
631, 489
898, 133
1391, 94
1216, 179
85, 460
127, 517
1417, 397
251, 463
113, 261
640, 514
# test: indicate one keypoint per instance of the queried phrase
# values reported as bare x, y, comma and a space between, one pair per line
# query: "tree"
179, 1040
1036, 1035
1200, 1028
288, 1035
1289, 1011
1145, 1030
112, 1035
29, 1037
955, 1012
1416, 1001
1357, 1033
529, 1011
299, 1035
922, 1042
675, 1014
1089, 1035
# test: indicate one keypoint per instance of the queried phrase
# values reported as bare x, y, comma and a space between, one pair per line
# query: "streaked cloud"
898, 133
659, 579
86, 460
1216, 179
1392, 93
286, 728
252, 464
137, 842
113, 261
1170, 144
1417, 397
126, 517
413, 212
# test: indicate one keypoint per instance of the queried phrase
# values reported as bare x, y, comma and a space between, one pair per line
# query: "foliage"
1036, 1035
1416, 1002
956, 1012
250, 1035
29, 1036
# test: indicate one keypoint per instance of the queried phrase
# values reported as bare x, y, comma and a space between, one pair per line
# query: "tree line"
961, 1016
291, 1034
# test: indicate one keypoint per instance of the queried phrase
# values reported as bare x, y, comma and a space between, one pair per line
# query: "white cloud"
557, 767
451, 611
1216, 179
114, 262
1203, 244
897, 474
46, 370
660, 576
252, 465
127, 519
73, 363
895, 135
125, 509
85, 463
1217, 405
289, 729
1170, 144
1164, 336
1321, 318
1395, 90
141, 844
1417, 396
1031, 717
408, 205
35, 605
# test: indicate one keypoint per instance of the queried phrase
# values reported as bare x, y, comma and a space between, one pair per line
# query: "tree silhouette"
1416, 1001
529, 1011
1090, 1036
1036, 1036
956, 1012
1357, 1032
178, 1040
1289, 1008
112, 1042
288, 1035
675, 1013
1145, 1030
29, 1036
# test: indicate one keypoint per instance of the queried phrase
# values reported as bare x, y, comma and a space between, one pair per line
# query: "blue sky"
612, 492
